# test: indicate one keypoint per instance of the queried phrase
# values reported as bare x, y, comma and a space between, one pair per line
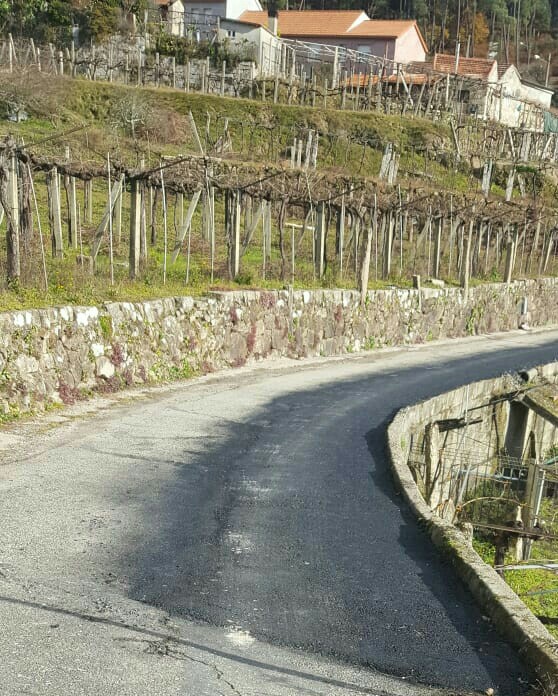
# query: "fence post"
13, 255
320, 238
54, 212
135, 229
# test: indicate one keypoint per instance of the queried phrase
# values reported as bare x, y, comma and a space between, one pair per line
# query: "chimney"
272, 18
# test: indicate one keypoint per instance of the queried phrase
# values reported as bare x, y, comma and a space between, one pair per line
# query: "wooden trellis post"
53, 191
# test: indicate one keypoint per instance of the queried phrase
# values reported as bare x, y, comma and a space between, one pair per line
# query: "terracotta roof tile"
470, 67
363, 80
308, 22
384, 28
387, 28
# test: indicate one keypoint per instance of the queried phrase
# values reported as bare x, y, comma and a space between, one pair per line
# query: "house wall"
376, 47
175, 18
542, 97
270, 48
511, 110
231, 9
267, 47
201, 7
409, 48
236, 7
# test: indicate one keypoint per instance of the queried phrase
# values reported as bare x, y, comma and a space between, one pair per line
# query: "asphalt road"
241, 534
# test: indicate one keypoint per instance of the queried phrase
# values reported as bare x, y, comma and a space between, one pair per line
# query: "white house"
268, 49
178, 14
227, 9
171, 15
397, 40
496, 91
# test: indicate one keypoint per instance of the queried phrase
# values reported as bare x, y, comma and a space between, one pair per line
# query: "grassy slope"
259, 132
526, 583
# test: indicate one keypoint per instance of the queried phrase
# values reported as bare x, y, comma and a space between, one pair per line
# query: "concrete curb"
509, 614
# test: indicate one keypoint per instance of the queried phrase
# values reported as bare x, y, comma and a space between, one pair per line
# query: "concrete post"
54, 209
237, 214
341, 234
388, 243
319, 241
12, 215
438, 248
135, 229
510, 256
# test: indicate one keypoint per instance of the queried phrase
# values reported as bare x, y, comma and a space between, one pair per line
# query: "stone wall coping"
26, 317
509, 614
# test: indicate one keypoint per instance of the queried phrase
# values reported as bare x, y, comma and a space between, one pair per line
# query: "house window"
231, 33
363, 49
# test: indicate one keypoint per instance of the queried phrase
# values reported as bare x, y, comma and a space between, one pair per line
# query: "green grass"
261, 134
527, 583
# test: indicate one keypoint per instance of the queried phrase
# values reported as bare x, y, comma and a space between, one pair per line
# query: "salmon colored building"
398, 40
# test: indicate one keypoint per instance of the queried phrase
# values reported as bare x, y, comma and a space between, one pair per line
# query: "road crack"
164, 648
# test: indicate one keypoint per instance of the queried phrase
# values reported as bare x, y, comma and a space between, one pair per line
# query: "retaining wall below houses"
55, 355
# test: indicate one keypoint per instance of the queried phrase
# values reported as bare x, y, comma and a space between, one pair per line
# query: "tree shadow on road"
283, 535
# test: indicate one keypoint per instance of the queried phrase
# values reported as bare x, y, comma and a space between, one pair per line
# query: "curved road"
241, 535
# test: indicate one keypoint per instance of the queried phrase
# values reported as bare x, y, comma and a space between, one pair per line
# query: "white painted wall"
236, 7
409, 48
541, 96
215, 8
512, 110
175, 18
267, 47
231, 9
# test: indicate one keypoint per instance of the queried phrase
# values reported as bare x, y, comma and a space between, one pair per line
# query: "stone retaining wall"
57, 355
509, 614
